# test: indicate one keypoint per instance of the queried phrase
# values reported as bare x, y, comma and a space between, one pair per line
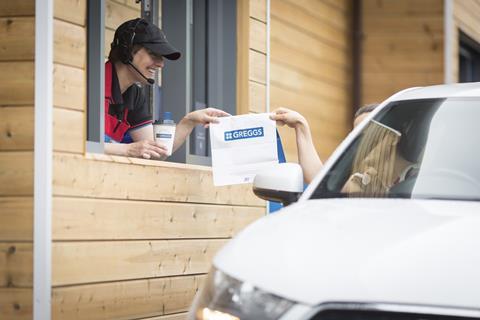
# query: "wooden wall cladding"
402, 46
17, 35
17, 51
17, 8
115, 180
125, 299
16, 128
17, 83
258, 10
129, 260
68, 130
251, 57
73, 11
16, 219
133, 238
69, 87
16, 175
466, 15
310, 69
16, 303
103, 219
70, 43
16, 265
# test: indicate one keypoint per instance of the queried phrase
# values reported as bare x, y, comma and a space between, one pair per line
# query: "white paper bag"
242, 146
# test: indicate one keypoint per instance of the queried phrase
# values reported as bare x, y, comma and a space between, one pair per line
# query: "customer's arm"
143, 147
200, 117
307, 155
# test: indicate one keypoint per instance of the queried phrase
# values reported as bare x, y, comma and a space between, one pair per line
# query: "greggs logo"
243, 134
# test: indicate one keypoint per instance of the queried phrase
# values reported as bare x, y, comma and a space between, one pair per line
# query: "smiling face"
147, 63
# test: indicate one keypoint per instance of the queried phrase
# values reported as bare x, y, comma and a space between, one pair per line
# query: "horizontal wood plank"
16, 174
413, 57
16, 128
17, 8
97, 219
310, 66
16, 218
325, 12
70, 44
17, 38
342, 5
382, 85
403, 24
258, 35
148, 180
86, 262
69, 130
257, 66
74, 11
402, 62
126, 299
285, 34
291, 12
382, 44
299, 82
116, 14
16, 304
258, 9
466, 17
404, 7
69, 87
16, 264
257, 96
17, 83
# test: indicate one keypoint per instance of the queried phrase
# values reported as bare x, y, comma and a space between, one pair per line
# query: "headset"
125, 41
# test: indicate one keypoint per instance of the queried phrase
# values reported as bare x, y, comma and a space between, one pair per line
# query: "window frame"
95, 76
178, 77
469, 51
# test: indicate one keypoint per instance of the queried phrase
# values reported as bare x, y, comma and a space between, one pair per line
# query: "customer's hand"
205, 116
358, 181
147, 149
284, 116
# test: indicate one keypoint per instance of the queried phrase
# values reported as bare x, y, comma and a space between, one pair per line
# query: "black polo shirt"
123, 112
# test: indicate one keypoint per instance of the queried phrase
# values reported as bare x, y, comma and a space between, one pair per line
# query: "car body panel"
387, 250
353, 251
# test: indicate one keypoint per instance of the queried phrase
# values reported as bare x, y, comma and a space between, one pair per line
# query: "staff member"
138, 50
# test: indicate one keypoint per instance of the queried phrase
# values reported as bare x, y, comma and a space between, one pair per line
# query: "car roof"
471, 89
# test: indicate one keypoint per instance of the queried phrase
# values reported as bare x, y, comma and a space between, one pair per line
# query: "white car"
389, 229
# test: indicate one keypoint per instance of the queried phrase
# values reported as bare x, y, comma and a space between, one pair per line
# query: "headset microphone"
150, 81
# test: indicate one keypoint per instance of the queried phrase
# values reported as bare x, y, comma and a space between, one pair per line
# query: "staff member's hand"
147, 149
206, 116
284, 116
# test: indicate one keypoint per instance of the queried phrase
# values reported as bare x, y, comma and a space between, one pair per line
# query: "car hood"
360, 250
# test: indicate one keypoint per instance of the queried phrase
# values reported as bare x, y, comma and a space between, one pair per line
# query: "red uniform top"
123, 112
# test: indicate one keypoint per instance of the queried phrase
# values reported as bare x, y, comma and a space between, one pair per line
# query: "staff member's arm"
307, 155
143, 147
200, 117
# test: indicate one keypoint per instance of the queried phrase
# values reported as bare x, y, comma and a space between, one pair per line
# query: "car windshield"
426, 149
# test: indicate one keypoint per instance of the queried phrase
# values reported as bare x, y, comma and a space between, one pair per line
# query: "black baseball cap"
149, 36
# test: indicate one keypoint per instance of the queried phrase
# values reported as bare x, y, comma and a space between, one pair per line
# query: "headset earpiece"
126, 41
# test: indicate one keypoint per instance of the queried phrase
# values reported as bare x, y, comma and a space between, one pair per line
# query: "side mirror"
282, 183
